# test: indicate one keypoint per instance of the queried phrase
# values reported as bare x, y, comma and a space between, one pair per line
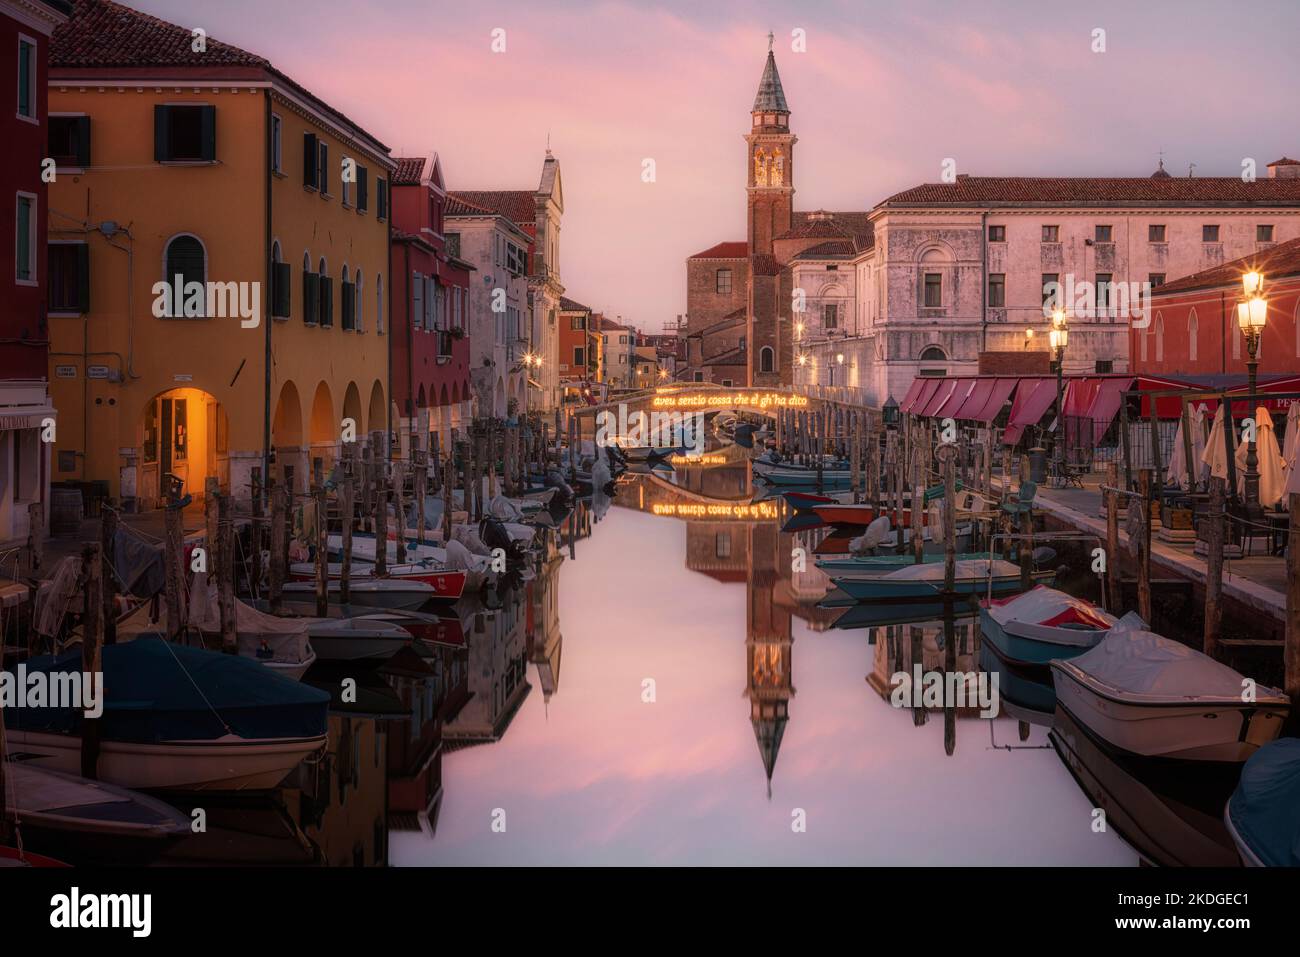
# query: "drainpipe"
408, 333
984, 286
1223, 339
266, 310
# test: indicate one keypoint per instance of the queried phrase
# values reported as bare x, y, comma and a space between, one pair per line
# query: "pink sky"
883, 94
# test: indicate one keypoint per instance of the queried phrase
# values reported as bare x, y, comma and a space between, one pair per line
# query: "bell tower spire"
770, 181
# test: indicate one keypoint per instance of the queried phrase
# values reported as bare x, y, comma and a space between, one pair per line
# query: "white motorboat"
1149, 695
373, 592
357, 639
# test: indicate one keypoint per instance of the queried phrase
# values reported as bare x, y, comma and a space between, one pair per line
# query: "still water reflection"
760, 709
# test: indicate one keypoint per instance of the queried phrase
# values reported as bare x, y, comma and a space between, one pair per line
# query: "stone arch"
185, 434
352, 409
378, 414
287, 438
1160, 338
933, 353
766, 359
324, 428
442, 395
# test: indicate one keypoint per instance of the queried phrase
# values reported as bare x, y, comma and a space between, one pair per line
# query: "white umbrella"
1198, 442
1215, 456
1177, 473
1271, 482
1292, 444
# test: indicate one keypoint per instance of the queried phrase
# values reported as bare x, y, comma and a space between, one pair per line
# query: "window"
726, 383
1209, 234
70, 141
1102, 234
277, 152
185, 262
997, 289
453, 244
1193, 333
1051, 234
310, 293
722, 545
577, 323
766, 359
934, 354
417, 300
310, 171
69, 281
1263, 234
1104, 366
1051, 289
1103, 290
1160, 339
830, 316
1156, 279
1155, 234
25, 236
279, 284
579, 356
347, 305
322, 168
326, 296
27, 85
185, 134
722, 282
933, 290
363, 189
699, 377
381, 207
997, 234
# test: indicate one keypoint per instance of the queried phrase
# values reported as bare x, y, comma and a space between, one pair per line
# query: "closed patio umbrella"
1215, 456
1271, 483
1290, 446
1177, 473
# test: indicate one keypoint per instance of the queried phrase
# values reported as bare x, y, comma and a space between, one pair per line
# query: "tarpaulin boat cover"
1265, 808
1048, 606
1151, 668
1033, 397
156, 692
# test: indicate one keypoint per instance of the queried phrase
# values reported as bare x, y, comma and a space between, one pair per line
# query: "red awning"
1000, 390
1168, 406
976, 399
1105, 403
1079, 394
939, 397
960, 393
1033, 398
930, 386
912, 393
1289, 384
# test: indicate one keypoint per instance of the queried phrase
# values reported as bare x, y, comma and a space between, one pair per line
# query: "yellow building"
218, 262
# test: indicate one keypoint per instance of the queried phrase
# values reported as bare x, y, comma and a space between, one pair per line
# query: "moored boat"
177, 718
926, 581
1263, 813
447, 584
1149, 695
873, 566
375, 592
1041, 624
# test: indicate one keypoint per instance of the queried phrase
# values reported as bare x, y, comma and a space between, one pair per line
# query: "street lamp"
1057, 339
1252, 316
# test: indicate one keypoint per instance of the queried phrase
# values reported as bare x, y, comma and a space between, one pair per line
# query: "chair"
1022, 502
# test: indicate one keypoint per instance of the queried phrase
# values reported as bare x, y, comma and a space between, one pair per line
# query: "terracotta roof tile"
1282, 260
514, 204
764, 265
1100, 191
572, 305
409, 170
832, 249
728, 250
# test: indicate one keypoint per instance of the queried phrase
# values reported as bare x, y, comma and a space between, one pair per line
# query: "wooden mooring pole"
92, 662
1291, 652
1144, 548
1113, 564
1214, 569
279, 546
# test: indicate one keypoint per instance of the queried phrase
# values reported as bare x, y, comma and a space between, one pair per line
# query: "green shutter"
324, 169
326, 301
24, 238
309, 159
83, 141
208, 118
83, 277
363, 188
25, 105
310, 298
162, 128
280, 279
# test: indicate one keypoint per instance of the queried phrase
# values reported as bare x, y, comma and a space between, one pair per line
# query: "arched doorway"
324, 430
287, 438
378, 414
185, 433
352, 410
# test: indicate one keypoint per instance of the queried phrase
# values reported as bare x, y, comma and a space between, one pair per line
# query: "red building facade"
1194, 332
430, 330
25, 410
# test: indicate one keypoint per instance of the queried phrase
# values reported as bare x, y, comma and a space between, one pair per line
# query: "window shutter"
363, 188
382, 210
162, 125
208, 118
417, 300
309, 160
83, 277
280, 278
310, 298
347, 292
324, 169
83, 141
326, 301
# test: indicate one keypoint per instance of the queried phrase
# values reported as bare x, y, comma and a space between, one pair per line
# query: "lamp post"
1252, 315
1057, 339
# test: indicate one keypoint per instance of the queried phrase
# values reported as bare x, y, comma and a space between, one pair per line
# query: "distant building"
579, 343
25, 28
1194, 332
431, 305
618, 346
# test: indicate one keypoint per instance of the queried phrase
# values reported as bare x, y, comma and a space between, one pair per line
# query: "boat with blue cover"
925, 582
177, 717
1263, 814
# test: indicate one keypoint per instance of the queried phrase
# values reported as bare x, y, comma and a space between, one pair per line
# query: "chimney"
1285, 168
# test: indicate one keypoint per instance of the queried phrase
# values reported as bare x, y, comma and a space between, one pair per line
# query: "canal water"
686, 701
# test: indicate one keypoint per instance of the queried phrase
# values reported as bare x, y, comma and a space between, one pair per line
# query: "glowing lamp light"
1252, 314
803, 360
839, 357
1252, 283
1058, 318
1029, 333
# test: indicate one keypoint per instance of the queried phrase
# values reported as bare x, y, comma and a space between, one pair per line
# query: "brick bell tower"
771, 209
771, 161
